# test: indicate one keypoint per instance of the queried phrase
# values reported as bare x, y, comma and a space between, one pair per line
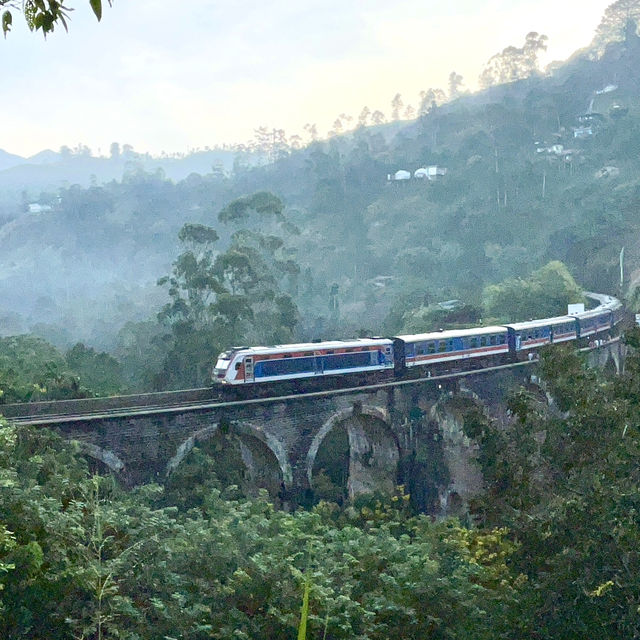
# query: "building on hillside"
432, 172
399, 175
581, 133
37, 208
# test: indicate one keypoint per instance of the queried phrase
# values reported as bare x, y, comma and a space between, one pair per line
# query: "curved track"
66, 411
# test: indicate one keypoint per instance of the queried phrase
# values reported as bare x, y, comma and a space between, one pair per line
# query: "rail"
140, 410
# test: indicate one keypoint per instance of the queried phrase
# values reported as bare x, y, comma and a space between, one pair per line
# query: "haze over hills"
50, 170
531, 175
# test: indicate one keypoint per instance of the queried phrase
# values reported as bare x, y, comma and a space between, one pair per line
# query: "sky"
176, 76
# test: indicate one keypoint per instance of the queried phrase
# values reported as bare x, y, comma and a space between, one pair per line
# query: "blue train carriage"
247, 365
524, 336
594, 321
426, 349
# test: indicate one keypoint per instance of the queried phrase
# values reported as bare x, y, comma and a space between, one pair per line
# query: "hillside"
528, 180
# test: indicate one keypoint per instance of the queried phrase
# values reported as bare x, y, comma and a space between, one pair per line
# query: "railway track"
30, 418
202, 399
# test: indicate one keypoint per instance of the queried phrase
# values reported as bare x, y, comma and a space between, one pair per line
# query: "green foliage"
98, 371
566, 485
619, 20
514, 63
546, 293
433, 318
32, 369
263, 203
87, 560
219, 300
42, 15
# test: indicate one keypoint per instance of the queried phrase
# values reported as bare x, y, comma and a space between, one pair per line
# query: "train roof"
592, 313
315, 346
543, 322
453, 333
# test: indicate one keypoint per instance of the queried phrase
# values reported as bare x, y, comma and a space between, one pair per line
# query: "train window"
483, 341
238, 365
287, 355
500, 339
473, 343
431, 347
349, 360
492, 340
288, 366
442, 346
421, 349
450, 346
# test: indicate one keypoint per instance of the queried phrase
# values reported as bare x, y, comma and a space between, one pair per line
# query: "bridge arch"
108, 458
373, 448
251, 439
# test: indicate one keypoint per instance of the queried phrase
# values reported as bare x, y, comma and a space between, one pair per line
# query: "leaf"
7, 19
96, 5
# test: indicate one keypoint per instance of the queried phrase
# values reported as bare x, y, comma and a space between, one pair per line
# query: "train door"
399, 356
248, 369
318, 365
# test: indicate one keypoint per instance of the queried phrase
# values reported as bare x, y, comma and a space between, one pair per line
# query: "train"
425, 354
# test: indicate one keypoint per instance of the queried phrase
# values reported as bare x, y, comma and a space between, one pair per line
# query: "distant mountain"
44, 157
49, 170
8, 160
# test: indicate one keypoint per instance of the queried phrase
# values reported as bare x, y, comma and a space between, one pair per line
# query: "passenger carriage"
246, 365
592, 322
538, 333
425, 349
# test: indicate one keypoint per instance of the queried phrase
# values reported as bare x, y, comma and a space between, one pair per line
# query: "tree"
514, 63
430, 99
396, 105
363, 118
336, 129
455, 84
619, 21
377, 117
214, 297
43, 15
99, 371
546, 293
567, 486
262, 203
312, 131
31, 368
192, 314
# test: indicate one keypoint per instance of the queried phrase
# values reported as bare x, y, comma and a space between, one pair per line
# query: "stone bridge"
408, 432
